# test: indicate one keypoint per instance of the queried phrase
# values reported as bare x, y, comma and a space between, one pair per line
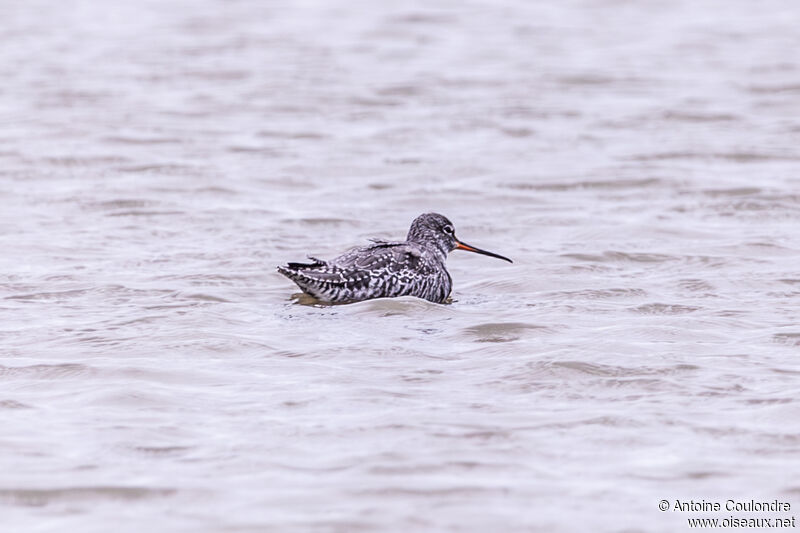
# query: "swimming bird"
387, 269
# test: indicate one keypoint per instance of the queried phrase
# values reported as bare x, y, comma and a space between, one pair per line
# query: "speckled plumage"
415, 267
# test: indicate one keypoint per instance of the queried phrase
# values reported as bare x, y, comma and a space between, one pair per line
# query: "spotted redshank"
415, 267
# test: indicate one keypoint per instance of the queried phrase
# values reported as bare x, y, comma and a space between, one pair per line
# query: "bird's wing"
393, 257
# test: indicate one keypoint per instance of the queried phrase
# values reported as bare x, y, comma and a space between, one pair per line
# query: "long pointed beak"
463, 246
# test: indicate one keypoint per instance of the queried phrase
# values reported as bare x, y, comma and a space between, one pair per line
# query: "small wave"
375, 102
615, 256
400, 90
145, 213
501, 331
735, 191
265, 150
426, 493
577, 185
773, 89
664, 309
206, 298
404, 305
42, 497
321, 221
85, 161
596, 369
44, 371
292, 135
119, 139
592, 79
789, 338
600, 294
518, 132
167, 169
683, 116
120, 203
13, 404
423, 18
54, 295
695, 285
162, 451
738, 157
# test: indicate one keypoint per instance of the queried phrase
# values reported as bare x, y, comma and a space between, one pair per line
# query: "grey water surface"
639, 161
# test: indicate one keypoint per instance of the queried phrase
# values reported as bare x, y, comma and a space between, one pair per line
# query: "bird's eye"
448, 230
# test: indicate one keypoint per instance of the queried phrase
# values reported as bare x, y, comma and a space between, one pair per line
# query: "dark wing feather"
350, 257
383, 256
300, 266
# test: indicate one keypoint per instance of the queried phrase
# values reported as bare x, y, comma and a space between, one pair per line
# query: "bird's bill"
463, 246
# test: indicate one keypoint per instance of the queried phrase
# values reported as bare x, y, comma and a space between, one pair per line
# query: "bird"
387, 269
